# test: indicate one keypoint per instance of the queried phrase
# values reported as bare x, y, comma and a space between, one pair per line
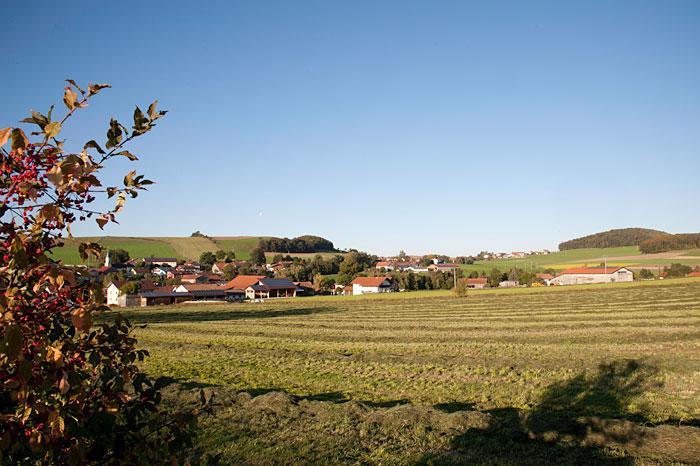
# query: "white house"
362, 285
112, 292
585, 275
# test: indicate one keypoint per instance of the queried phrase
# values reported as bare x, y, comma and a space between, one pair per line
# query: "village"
167, 280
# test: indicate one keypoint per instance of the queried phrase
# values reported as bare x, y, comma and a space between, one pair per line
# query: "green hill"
628, 256
612, 239
179, 247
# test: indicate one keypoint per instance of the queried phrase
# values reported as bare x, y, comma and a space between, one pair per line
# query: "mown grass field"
570, 375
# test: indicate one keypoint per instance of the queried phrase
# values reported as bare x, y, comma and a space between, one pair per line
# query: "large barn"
586, 275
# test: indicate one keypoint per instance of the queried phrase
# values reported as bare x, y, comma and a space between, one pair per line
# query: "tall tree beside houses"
71, 392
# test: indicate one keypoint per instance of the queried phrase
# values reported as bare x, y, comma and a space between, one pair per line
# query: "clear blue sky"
425, 126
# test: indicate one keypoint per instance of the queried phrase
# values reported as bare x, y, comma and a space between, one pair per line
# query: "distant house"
305, 288
694, 274
161, 270
200, 278
167, 261
271, 288
386, 265
218, 267
364, 285
204, 291
476, 283
586, 275
401, 266
544, 277
508, 284
237, 287
114, 295
443, 267
153, 298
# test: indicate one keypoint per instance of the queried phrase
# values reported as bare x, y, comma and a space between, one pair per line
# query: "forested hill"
306, 243
612, 239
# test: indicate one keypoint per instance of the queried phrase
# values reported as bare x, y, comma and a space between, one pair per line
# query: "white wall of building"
113, 295
622, 275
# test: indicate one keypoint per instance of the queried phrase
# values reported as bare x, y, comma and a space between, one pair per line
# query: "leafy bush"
70, 392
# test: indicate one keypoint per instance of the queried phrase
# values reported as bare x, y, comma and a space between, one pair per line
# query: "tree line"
666, 242
305, 243
612, 239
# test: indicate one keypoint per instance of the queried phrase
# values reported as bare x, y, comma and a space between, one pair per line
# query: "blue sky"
426, 126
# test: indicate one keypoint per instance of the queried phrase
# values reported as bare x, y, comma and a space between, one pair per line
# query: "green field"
241, 245
585, 375
178, 247
622, 256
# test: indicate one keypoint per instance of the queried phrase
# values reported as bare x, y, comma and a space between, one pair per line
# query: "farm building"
363, 285
271, 288
166, 261
443, 267
476, 283
113, 290
585, 275
305, 288
153, 298
508, 284
200, 278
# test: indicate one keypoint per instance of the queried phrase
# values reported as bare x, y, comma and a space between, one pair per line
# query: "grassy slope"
241, 245
573, 258
504, 352
137, 247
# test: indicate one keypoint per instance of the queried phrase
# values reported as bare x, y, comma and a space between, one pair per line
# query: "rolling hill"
179, 247
612, 239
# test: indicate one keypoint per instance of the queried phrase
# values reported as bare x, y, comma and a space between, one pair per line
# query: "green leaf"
52, 129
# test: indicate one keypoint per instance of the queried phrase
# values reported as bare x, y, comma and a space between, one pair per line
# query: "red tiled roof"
304, 284
201, 287
477, 281
369, 281
591, 270
382, 264
694, 274
242, 282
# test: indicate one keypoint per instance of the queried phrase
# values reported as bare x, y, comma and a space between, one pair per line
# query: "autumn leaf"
64, 385
52, 129
19, 140
102, 220
82, 319
13, 342
4, 135
69, 98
